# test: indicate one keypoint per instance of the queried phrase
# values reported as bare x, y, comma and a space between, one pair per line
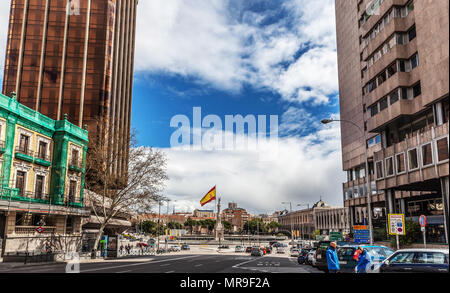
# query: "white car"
175, 248
295, 252
239, 249
310, 257
281, 250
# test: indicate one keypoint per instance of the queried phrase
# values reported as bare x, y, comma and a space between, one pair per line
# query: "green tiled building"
42, 165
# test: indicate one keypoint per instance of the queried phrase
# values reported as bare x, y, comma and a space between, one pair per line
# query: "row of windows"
399, 93
39, 186
395, 39
398, 66
359, 191
395, 12
387, 167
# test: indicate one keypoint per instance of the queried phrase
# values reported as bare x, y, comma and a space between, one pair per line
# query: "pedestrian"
121, 249
332, 259
364, 261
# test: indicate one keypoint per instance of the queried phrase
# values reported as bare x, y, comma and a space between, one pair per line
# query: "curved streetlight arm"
367, 175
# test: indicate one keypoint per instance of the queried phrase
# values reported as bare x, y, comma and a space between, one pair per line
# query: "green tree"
190, 224
412, 234
273, 226
227, 226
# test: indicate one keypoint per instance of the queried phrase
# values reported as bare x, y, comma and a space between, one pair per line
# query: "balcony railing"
43, 157
24, 151
73, 201
21, 230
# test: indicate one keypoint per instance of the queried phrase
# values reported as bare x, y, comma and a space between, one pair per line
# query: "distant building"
204, 213
236, 216
320, 216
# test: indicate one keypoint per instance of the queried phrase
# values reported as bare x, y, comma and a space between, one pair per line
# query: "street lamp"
292, 228
369, 197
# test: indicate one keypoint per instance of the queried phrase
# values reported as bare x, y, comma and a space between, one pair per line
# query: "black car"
248, 249
273, 242
185, 247
416, 261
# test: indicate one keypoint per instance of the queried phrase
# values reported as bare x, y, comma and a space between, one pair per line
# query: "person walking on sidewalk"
332, 259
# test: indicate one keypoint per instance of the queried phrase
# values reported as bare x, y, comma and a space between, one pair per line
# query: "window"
42, 152
412, 159
20, 182
24, 143
430, 258
380, 173
427, 155
404, 92
417, 90
374, 110
414, 61
383, 104
389, 166
412, 33
392, 70
402, 65
355, 192
39, 187
72, 190
402, 258
442, 148
373, 187
400, 163
74, 157
394, 97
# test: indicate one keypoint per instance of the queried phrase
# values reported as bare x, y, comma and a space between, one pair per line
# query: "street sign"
423, 221
336, 236
39, 230
396, 224
361, 234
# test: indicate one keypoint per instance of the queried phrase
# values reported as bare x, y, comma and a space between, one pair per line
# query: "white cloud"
203, 39
305, 169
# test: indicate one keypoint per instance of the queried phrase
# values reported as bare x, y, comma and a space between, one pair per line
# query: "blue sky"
230, 57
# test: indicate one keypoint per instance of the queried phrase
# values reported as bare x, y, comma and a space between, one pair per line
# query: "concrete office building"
75, 57
393, 59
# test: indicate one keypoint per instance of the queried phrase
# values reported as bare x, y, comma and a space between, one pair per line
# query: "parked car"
321, 253
256, 251
348, 263
273, 242
310, 260
416, 261
276, 244
248, 249
185, 247
224, 247
302, 256
175, 248
239, 248
295, 252
268, 249
281, 249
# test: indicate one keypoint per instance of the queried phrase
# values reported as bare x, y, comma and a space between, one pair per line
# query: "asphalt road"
182, 263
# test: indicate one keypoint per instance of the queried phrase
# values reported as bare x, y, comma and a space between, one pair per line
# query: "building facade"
42, 163
321, 216
204, 213
75, 57
393, 60
236, 216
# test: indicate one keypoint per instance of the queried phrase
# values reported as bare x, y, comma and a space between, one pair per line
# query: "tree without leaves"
116, 193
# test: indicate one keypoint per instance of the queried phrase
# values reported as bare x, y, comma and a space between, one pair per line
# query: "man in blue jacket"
332, 259
364, 261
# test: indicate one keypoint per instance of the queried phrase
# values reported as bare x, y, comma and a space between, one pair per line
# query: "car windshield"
403, 257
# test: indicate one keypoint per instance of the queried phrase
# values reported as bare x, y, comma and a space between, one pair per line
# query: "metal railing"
43, 157
24, 151
21, 230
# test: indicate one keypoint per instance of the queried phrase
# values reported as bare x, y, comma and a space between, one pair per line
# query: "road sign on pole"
396, 226
423, 224
361, 234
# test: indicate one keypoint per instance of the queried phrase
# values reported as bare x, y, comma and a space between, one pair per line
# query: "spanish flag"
210, 196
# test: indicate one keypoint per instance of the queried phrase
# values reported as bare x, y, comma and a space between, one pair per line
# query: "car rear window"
430, 258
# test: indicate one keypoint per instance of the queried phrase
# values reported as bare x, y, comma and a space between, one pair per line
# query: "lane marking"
199, 265
169, 272
124, 272
164, 265
138, 264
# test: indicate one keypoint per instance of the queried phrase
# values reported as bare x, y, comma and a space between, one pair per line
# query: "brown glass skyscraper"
74, 57
393, 58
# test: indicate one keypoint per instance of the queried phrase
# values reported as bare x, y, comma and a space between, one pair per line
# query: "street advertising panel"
396, 224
